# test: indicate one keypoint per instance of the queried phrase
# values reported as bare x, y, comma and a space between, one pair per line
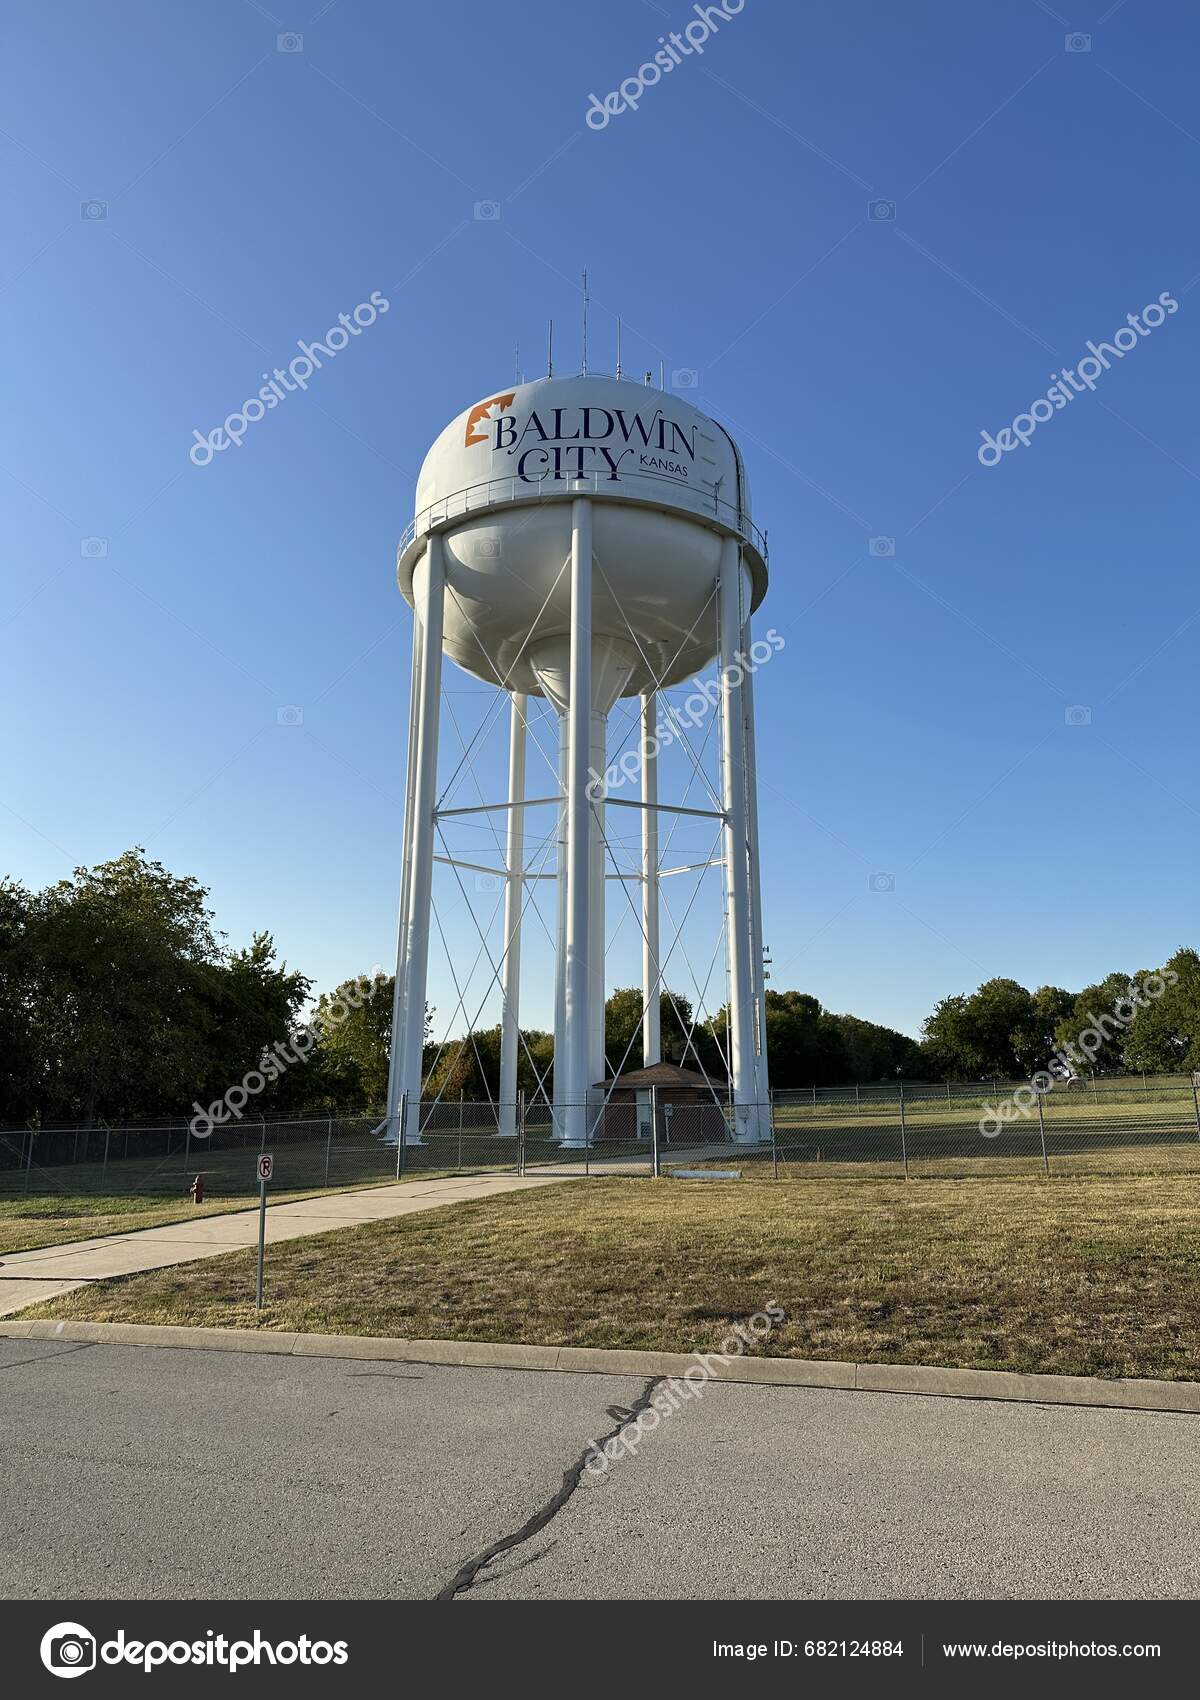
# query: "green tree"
1093, 1031
123, 958
1165, 1032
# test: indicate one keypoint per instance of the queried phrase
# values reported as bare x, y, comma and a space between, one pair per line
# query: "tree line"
120, 999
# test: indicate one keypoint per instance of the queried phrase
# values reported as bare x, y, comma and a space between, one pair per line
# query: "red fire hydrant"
197, 1190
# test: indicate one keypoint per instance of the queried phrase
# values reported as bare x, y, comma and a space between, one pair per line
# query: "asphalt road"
143, 1473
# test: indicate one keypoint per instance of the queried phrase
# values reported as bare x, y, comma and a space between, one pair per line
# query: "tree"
623, 1030
876, 1053
18, 963
1092, 1030
353, 1051
122, 956
1165, 1032
1033, 1038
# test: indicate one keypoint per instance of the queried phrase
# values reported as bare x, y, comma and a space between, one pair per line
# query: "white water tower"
583, 539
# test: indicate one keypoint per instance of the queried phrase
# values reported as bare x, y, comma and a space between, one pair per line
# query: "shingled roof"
659, 1074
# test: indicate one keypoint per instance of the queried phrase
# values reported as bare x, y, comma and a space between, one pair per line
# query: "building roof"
658, 1074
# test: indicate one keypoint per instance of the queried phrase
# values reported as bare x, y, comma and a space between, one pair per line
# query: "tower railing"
495, 492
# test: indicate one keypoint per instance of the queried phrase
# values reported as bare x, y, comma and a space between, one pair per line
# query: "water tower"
583, 539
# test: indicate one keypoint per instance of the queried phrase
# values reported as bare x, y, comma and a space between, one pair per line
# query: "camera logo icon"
881, 211
881, 546
289, 715
490, 882
289, 42
93, 548
881, 882
488, 548
685, 378
487, 212
1078, 715
89, 211
68, 1650
1077, 43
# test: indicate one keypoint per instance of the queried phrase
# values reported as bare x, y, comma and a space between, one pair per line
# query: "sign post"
265, 1168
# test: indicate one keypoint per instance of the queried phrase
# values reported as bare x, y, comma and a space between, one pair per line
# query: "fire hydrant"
197, 1190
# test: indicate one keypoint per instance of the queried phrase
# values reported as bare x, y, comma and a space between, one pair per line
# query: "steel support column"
514, 902
422, 801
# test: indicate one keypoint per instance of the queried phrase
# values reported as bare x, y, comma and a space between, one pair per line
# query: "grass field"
1091, 1277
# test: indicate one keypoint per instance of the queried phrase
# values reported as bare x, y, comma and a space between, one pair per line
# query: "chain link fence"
1130, 1124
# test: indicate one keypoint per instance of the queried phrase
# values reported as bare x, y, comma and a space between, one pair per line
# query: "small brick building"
691, 1106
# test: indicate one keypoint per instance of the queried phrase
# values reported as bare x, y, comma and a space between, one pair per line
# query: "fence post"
1042, 1131
187, 1145
460, 1125
654, 1131
402, 1135
1145, 1084
104, 1164
903, 1133
29, 1159
521, 1132
328, 1145
1195, 1101
814, 1097
857, 1095
774, 1146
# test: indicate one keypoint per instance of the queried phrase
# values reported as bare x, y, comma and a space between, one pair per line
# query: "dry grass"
1094, 1277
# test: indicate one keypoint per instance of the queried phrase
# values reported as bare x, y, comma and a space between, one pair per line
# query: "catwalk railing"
1133, 1125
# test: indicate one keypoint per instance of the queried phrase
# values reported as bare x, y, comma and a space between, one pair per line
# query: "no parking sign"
266, 1166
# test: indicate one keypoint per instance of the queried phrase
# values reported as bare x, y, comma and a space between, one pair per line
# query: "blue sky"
916, 724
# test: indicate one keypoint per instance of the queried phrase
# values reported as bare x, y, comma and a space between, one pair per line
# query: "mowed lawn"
1095, 1276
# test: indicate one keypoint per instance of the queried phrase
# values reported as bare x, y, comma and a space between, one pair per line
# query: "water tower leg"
514, 901
423, 803
395, 1060
560, 935
737, 893
598, 762
762, 1078
579, 815
651, 991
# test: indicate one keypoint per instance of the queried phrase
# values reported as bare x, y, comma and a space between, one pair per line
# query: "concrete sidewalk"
26, 1277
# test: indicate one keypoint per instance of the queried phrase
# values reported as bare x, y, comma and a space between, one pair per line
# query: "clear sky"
921, 721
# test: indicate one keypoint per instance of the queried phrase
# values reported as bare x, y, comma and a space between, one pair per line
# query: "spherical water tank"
667, 486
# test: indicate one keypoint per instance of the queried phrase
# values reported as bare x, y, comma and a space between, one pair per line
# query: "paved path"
141, 1473
28, 1276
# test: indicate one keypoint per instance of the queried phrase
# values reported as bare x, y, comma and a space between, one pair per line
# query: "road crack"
464, 1579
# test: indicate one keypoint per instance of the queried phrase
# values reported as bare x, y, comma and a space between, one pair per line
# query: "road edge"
920, 1379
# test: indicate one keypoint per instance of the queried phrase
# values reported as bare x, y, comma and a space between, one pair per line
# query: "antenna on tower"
550, 350
517, 374
583, 368
662, 374
618, 347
